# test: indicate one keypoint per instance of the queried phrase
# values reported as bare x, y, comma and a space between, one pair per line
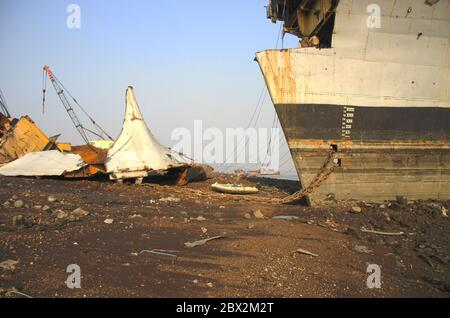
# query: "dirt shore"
42, 230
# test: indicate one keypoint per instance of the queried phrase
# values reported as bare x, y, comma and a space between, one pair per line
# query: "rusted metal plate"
95, 159
86, 172
90, 154
22, 137
64, 147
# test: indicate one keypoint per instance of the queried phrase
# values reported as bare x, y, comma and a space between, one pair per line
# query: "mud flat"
112, 232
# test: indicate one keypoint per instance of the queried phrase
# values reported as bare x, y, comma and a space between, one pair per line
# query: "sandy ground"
256, 257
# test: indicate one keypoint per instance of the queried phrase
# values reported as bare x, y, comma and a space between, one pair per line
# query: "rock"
73, 218
8, 265
108, 221
45, 208
6, 204
18, 204
221, 207
170, 199
383, 206
250, 226
14, 197
258, 214
247, 216
61, 215
444, 212
356, 209
195, 281
135, 216
362, 249
200, 218
184, 213
80, 212
210, 285
37, 207
51, 199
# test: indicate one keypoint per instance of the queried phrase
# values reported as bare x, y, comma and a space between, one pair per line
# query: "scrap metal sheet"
44, 163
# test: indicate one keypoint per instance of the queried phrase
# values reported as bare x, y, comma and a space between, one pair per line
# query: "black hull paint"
384, 151
310, 121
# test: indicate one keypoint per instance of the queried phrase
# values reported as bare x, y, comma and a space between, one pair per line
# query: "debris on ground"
170, 199
10, 292
305, 252
258, 214
19, 137
286, 217
9, 265
43, 163
415, 264
356, 209
381, 232
201, 242
233, 188
362, 249
51, 199
158, 252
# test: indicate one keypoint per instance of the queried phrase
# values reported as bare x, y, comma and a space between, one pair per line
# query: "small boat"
233, 188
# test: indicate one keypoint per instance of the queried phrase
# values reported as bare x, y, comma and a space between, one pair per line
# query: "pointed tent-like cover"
136, 151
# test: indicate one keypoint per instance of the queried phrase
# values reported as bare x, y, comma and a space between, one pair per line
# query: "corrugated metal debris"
26, 151
43, 163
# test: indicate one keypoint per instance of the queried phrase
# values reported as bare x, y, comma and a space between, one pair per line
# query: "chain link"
323, 175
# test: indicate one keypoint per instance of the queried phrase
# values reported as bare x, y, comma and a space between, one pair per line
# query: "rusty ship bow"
371, 82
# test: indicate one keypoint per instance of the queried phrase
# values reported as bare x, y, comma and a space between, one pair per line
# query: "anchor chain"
323, 174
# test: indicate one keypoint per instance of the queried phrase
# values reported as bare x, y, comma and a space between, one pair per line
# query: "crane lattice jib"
66, 104
3, 107
61, 91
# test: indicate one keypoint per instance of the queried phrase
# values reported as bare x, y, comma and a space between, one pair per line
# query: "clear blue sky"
187, 60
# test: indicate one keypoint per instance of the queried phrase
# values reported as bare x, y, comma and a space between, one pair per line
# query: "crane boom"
61, 91
3, 107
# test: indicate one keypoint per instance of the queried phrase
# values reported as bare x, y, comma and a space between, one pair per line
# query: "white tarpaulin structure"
43, 163
136, 152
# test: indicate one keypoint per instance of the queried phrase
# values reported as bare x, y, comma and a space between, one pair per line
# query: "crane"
3, 107
61, 92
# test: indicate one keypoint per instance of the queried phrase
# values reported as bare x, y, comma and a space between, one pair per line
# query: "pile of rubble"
26, 151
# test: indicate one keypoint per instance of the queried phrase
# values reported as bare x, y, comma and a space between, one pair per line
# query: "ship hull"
384, 152
379, 94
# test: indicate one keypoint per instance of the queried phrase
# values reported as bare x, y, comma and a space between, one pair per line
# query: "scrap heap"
21, 136
26, 151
